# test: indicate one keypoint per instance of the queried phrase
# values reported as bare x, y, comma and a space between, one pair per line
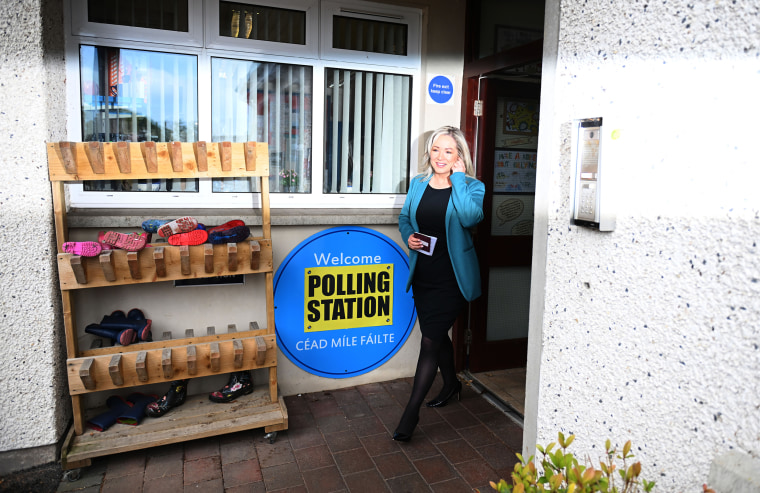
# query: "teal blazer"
465, 210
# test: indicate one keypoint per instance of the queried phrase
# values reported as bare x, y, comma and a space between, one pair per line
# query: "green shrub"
563, 474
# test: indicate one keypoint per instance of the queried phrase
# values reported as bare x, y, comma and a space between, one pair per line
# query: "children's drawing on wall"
518, 122
514, 171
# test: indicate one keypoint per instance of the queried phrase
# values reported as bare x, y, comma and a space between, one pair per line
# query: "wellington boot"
174, 397
240, 383
117, 320
124, 336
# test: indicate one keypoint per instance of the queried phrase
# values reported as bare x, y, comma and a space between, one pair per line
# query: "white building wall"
650, 332
32, 365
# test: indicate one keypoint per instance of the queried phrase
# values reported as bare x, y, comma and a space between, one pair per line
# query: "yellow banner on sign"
348, 297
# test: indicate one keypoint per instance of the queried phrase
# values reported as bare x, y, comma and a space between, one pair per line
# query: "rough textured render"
650, 332
32, 365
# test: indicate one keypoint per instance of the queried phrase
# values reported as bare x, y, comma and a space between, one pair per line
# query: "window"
366, 132
168, 15
136, 96
338, 117
265, 102
258, 22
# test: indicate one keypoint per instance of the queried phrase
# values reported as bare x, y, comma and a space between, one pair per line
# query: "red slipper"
181, 225
103, 244
227, 225
195, 237
83, 248
131, 242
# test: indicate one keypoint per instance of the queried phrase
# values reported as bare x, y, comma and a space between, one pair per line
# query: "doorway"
500, 120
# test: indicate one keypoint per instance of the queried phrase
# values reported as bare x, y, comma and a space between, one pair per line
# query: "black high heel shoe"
442, 401
401, 436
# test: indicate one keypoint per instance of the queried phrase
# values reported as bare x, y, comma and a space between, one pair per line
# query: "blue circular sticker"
441, 89
340, 304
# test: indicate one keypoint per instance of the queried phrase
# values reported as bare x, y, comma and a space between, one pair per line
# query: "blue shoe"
123, 335
152, 225
116, 407
135, 320
133, 414
232, 235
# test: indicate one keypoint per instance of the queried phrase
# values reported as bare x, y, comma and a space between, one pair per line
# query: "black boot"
135, 320
124, 336
240, 383
174, 397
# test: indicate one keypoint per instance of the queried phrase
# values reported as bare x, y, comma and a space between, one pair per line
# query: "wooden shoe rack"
121, 367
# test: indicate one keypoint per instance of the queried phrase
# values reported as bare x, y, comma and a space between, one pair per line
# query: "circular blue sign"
340, 304
441, 89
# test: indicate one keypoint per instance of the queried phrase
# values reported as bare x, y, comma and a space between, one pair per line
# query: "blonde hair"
462, 149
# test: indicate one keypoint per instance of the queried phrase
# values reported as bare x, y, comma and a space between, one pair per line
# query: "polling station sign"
341, 308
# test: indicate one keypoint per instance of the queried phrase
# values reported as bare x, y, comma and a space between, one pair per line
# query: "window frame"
373, 12
317, 199
310, 50
80, 26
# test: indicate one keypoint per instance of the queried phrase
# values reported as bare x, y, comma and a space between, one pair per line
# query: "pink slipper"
131, 242
101, 240
181, 225
195, 237
83, 248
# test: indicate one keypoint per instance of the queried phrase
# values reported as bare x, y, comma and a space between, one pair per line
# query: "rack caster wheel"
271, 436
72, 475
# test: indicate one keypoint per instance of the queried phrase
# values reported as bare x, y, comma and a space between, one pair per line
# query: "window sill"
133, 218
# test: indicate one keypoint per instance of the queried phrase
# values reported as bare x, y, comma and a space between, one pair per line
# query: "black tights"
433, 355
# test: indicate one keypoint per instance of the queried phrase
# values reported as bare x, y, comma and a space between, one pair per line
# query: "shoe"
401, 436
135, 412
195, 237
181, 225
131, 242
101, 239
152, 225
233, 235
442, 400
118, 321
240, 383
124, 336
103, 421
227, 225
201, 226
174, 397
83, 248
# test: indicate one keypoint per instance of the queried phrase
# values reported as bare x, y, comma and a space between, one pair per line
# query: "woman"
443, 202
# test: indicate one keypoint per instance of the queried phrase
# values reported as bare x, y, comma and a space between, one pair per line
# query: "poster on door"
512, 215
514, 171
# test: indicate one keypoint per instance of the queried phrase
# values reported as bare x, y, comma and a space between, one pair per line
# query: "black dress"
436, 293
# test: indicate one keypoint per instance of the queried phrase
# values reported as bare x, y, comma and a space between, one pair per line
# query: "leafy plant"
563, 474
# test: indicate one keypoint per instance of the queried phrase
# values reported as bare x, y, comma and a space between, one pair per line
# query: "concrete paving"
336, 441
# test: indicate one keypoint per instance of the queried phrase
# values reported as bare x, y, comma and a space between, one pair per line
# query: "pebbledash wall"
650, 332
32, 371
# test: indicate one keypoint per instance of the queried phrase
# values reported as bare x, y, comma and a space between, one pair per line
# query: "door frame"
473, 70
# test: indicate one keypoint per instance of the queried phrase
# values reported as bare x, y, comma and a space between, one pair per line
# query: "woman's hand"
458, 167
414, 243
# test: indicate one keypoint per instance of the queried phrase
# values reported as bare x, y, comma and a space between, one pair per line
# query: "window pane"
366, 132
243, 20
373, 36
264, 102
169, 15
132, 95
